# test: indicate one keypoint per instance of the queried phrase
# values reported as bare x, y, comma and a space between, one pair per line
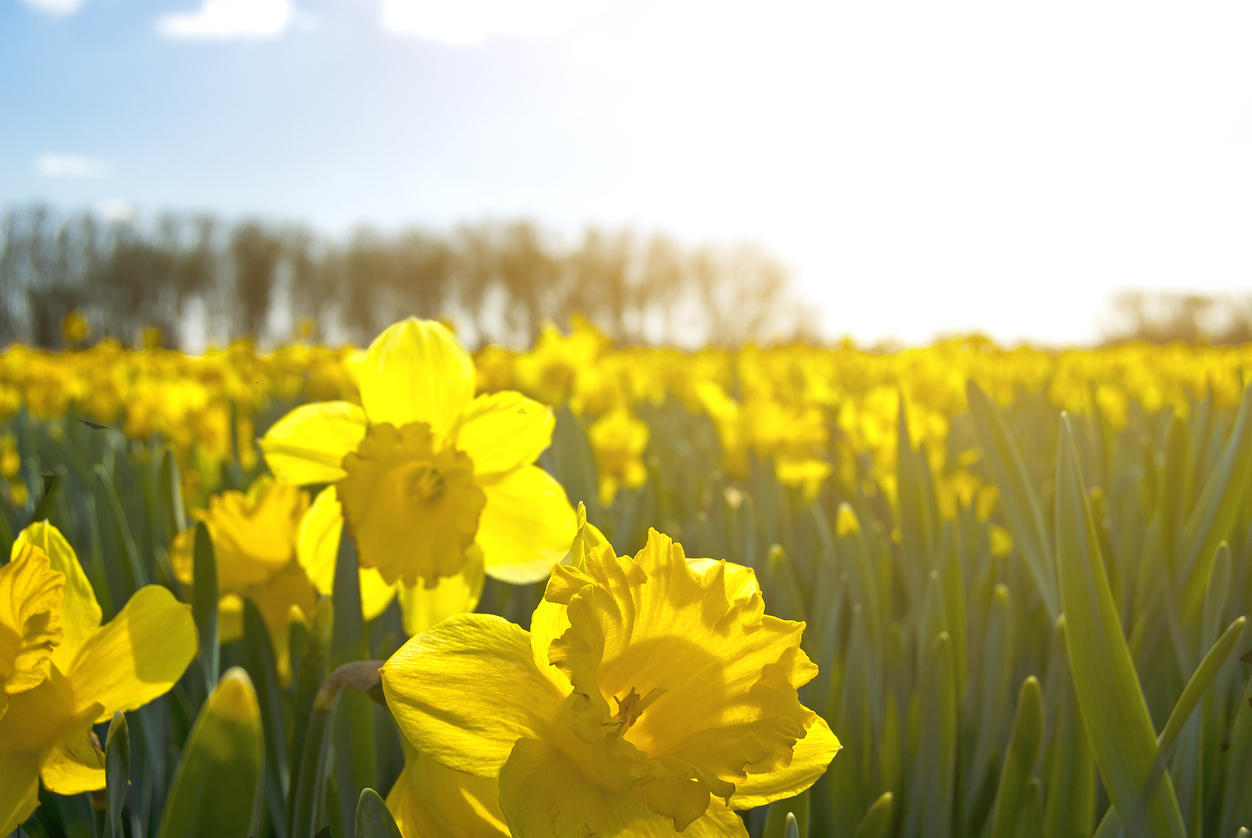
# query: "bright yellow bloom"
652, 695
254, 541
425, 473
67, 672
618, 440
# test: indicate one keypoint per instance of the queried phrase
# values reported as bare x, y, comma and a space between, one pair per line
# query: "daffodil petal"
230, 618
626, 816
74, 765
138, 655
526, 526
503, 431
429, 799
317, 548
309, 443
466, 690
424, 607
19, 788
808, 762
416, 371
543, 793
80, 613
317, 544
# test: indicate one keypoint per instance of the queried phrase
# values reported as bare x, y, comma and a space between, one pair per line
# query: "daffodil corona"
652, 695
426, 474
61, 671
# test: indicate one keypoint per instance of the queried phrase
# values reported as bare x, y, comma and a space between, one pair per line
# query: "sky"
923, 168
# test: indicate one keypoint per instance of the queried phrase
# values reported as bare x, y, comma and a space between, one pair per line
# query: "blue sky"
923, 170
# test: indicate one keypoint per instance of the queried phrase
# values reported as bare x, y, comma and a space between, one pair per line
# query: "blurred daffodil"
651, 696
254, 541
64, 671
425, 473
618, 440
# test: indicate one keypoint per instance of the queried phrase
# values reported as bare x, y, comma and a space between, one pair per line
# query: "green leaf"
1210, 523
116, 772
259, 662
217, 788
372, 818
783, 812
877, 821
204, 602
352, 729
1071, 799
1019, 760
1113, 708
934, 779
1021, 506
44, 508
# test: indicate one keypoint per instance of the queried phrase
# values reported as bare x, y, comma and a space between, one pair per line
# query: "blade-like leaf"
1021, 506
1113, 708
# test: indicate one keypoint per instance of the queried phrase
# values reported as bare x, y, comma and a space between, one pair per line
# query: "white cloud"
70, 165
470, 21
59, 8
226, 19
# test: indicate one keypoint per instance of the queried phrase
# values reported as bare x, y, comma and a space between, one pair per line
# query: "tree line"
500, 281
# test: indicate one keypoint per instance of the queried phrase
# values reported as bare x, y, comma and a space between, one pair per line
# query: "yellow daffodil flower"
64, 672
651, 696
424, 471
254, 540
618, 441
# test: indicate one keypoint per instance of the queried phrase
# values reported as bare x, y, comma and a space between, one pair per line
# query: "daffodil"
618, 440
424, 472
254, 541
652, 695
64, 672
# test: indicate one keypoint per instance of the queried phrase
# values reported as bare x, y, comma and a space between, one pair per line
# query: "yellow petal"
526, 526
19, 788
503, 431
75, 764
309, 443
30, 620
416, 371
254, 535
138, 655
318, 549
431, 801
80, 613
808, 762
466, 690
230, 618
424, 607
545, 795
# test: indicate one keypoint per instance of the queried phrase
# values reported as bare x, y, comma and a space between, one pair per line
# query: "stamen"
630, 708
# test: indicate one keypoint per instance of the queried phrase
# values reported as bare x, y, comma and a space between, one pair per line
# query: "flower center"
630, 708
412, 509
426, 484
